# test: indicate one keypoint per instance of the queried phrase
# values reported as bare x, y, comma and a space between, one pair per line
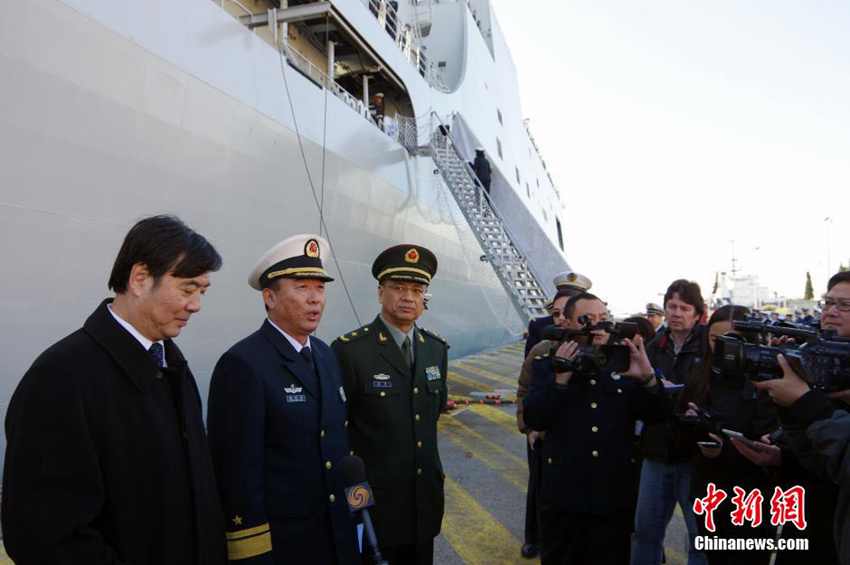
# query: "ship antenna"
319, 205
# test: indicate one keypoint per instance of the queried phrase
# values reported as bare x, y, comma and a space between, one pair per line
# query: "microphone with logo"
359, 498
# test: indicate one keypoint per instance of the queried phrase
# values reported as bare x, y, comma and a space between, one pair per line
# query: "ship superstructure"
251, 120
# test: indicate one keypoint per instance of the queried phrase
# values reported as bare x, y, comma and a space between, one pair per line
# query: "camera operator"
733, 403
589, 474
818, 424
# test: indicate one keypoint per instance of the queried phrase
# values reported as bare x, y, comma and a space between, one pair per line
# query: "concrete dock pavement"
484, 458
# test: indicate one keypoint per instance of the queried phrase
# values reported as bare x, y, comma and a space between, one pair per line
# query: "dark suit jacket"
277, 433
589, 457
107, 461
393, 412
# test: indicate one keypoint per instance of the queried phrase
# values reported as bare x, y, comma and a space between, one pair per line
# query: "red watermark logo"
786, 506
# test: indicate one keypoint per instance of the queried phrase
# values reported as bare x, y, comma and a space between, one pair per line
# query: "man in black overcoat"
107, 461
277, 423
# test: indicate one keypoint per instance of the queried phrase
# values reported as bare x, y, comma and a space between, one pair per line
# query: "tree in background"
810, 291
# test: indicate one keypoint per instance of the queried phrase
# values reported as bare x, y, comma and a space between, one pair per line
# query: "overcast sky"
673, 128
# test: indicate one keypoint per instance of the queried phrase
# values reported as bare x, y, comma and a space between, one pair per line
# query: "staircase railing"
492, 232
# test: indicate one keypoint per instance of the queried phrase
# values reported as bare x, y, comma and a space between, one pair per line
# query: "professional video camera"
610, 357
753, 326
704, 422
823, 359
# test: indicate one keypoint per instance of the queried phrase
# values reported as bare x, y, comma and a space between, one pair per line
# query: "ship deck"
484, 459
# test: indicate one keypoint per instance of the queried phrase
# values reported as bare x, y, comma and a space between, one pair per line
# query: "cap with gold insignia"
405, 262
571, 280
653, 308
296, 257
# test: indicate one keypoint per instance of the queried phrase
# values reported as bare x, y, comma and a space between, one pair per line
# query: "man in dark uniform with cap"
655, 314
395, 380
277, 423
568, 283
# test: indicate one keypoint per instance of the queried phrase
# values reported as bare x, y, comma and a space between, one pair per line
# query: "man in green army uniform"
394, 374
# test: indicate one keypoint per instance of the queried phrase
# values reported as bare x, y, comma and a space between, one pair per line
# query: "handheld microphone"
358, 495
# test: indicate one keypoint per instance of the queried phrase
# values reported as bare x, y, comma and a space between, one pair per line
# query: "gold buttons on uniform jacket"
322, 433
593, 405
419, 471
549, 461
418, 444
416, 417
383, 393
620, 391
595, 453
594, 429
416, 390
332, 498
328, 465
592, 382
346, 424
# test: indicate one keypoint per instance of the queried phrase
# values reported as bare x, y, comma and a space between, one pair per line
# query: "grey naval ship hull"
111, 111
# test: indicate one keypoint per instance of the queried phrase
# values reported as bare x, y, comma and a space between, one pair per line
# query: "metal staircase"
491, 231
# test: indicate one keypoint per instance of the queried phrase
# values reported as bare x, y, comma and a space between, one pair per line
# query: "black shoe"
529, 550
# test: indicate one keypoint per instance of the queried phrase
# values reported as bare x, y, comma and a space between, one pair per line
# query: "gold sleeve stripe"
249, 547
248, 532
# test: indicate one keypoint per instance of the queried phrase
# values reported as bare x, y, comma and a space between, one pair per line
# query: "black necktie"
158, 354
406, 352
307, 354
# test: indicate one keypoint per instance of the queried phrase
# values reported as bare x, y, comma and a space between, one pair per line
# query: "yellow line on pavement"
476, 536
497, 416
513, 469
501, 379
506, 368
468, 382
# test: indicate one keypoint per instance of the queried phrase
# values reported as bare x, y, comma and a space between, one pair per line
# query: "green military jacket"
392, 414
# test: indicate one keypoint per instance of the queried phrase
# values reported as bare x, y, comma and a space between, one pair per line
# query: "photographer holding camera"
712, 402
819, 429
588, 413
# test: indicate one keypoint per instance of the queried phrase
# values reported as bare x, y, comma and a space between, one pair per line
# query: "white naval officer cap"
572, 280
296, 257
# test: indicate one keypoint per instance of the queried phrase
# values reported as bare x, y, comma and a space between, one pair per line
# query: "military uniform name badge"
381, 381
432, 373
292, 394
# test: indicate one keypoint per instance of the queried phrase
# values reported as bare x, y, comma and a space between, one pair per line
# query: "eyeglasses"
843, 305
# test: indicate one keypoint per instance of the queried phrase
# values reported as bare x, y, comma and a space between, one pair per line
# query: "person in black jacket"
107, 461
665, 478
278, 425
588, 480
741, 408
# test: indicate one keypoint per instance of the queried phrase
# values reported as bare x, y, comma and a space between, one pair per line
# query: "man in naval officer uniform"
395, 380
277, 423
570, 281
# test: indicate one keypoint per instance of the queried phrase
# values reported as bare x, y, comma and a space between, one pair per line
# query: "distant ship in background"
250, 120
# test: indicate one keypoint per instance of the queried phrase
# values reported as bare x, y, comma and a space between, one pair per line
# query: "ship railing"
321, 78
408, 39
